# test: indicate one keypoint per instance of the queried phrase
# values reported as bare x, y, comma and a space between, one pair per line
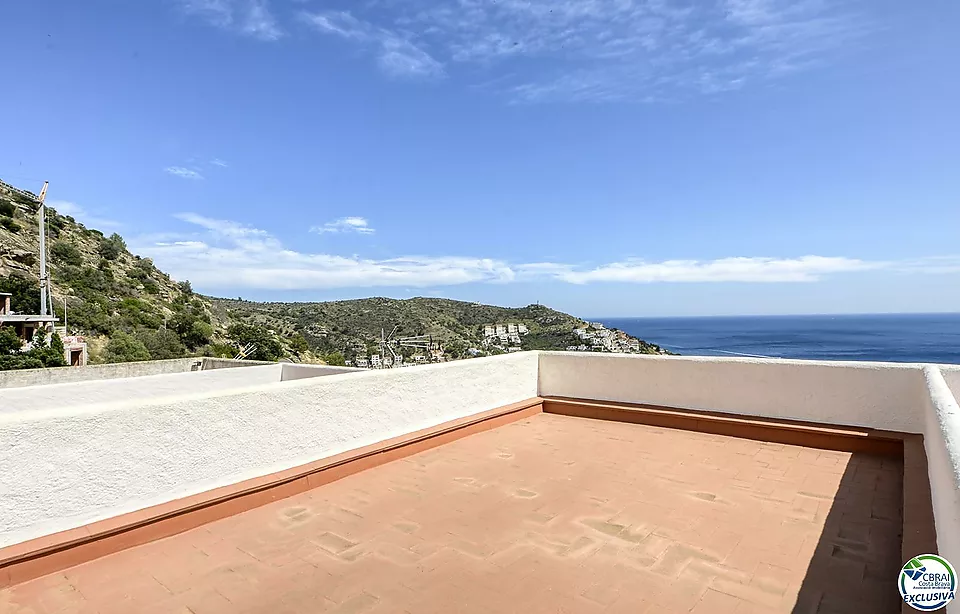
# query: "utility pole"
44, 280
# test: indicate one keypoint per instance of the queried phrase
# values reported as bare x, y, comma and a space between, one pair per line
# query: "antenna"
44, 280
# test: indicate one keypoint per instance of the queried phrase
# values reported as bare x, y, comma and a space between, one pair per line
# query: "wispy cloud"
600, 50
753, 270
185, 173
83, 215
397, 54
219, 162
345, 224
222, 254
248, 17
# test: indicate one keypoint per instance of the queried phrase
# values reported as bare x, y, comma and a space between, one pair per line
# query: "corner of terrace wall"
942, 444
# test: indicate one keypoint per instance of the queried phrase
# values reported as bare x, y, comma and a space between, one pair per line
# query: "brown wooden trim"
52, 553
843, 438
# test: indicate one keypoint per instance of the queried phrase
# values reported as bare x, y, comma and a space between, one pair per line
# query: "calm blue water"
895, 338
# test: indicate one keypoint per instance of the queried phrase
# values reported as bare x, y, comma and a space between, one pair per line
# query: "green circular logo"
927, 582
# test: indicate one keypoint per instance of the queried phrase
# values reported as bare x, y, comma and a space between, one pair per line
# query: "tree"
162, 344
335, 359
9, 341
25, 291
125, 348
266, 346
185, 287
41, 353
298, 344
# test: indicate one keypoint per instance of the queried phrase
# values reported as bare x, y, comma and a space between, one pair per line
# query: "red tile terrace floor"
548, 514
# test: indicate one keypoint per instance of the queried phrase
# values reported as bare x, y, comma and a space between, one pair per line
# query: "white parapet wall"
66, 467
133, 390
878, 395
941, 439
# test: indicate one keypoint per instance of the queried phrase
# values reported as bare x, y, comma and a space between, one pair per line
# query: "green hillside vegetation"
128, 309
351, 328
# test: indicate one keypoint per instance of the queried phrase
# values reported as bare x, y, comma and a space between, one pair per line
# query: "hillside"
128, 309
109, 293
353, 327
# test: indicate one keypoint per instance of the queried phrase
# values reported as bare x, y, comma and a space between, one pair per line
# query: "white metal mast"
44, 279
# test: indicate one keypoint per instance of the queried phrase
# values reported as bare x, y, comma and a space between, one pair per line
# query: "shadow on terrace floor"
857, 560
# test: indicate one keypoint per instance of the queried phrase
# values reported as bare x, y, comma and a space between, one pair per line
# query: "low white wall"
58, 375
878, 395
133, 390
64, 468
941, 439
293, 372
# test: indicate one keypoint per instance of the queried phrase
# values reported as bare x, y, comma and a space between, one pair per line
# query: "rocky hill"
128, 309
109, 293
353, 328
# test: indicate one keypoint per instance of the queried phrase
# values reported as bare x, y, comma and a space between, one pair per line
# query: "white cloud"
222, 254
249, 17
185, 173
82, 215
753, 270
219, 162
397, 54
600, 50
345, 224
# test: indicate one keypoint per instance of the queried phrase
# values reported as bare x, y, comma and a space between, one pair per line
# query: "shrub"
125, 348
265, 345
185, 287
67, 253
9, 341
335, 359
298, 344
7, 208
112, 247
26, 293
161, 344
9, 224
219, 350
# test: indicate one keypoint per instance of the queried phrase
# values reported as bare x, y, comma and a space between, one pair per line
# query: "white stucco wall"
292, 372
878, 395
133, 389
58, 375
67, 467
942, 442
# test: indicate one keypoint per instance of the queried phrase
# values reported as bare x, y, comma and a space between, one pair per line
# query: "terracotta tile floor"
550, 514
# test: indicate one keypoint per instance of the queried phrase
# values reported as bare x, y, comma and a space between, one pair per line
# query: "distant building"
474, 351
75, 350
597, 325
26, 326
511, 329
375, 361
489, 330
522, 329
501, 330
514, 338
363, 363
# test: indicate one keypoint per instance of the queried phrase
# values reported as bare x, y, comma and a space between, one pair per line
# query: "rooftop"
543, 482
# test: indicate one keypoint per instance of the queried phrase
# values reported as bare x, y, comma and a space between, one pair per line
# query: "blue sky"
604, 157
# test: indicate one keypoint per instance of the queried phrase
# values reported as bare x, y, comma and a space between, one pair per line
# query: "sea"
891, 338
